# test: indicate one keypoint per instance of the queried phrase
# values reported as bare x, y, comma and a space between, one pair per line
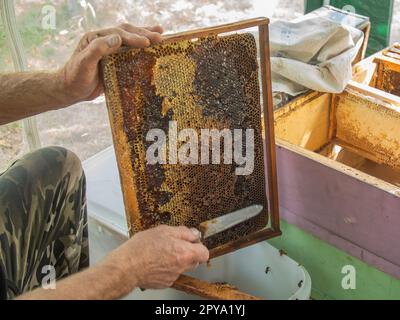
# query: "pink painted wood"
356, 217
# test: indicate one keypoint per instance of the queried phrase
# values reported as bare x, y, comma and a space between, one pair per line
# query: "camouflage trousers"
43, 220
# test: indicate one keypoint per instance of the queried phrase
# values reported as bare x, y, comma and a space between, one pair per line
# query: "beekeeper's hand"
81, 74
154, 259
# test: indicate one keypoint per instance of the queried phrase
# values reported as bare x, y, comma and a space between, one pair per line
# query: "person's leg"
43, 220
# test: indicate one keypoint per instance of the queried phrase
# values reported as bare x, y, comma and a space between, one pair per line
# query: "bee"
282, 253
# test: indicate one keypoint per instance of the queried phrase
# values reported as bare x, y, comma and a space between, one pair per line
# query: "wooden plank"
269, 128
388, 62
215, 30
392, 54
211, 291
332, 118
395, 50
361, 54
369, 125
380, 77
250, 240
375, 93
306, 122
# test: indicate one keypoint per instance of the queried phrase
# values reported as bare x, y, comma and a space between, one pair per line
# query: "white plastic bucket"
260, 270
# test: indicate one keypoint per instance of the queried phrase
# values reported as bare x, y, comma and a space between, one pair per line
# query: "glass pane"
179, 15
11, 141
5, 54
12, 145
84, 128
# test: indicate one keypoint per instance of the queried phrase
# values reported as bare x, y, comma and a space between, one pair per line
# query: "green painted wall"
324, 263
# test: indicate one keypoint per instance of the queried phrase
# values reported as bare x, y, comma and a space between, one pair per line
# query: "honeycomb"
207, 83
390, 81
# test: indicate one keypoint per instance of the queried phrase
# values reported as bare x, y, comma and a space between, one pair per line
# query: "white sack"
312, 54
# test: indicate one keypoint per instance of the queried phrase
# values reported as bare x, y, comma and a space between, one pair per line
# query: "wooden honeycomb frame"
265, 122
388, 70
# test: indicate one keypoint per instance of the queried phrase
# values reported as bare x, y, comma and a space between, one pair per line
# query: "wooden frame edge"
209, 31
373, 93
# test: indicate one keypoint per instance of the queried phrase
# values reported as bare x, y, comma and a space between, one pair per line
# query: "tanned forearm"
27, 94
152, 259
101, 282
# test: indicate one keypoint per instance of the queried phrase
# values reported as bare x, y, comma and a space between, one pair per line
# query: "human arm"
152, 259
26, 94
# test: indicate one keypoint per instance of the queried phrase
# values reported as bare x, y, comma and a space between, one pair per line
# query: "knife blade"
223, 223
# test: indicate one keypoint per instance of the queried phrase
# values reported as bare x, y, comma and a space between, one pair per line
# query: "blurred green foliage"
3, 49
38, 41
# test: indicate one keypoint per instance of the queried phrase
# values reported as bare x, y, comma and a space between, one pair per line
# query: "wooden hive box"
339, 171
381, 71
216, 79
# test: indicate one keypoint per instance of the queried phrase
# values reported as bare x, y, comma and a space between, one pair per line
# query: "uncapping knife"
223, 223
